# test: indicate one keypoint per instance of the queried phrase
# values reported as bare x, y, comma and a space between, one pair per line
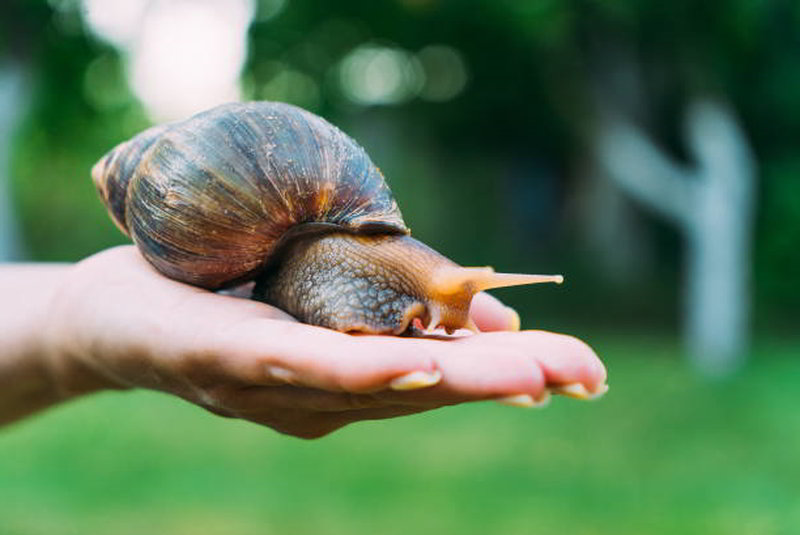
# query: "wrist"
31, 376
66, 360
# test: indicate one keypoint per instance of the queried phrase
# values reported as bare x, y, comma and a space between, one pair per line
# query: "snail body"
269, 192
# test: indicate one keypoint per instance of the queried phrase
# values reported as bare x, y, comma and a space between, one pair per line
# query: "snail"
269, 192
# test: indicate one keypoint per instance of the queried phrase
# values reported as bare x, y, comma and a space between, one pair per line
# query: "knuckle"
533, 376
526, 370
537, 379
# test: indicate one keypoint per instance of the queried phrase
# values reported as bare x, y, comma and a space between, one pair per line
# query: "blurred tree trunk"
609, 222
713, 205
12, 101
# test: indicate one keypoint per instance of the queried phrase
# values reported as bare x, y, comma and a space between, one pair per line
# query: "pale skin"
112, 322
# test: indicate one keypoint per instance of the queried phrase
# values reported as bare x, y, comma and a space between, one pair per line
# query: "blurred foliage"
487, 177
663, 453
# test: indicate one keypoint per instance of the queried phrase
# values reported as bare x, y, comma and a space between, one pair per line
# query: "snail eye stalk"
454, 279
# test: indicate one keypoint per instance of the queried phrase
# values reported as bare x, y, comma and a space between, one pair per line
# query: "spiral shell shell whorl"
209, 199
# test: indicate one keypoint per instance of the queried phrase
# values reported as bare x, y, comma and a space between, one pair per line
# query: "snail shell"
208, 200
271, 192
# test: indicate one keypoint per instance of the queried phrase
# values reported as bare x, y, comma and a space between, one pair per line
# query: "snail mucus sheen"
269, 192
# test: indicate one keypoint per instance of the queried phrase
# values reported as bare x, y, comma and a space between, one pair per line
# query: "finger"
262, 351
490, 314
475, 367
476, 371
255, 400
568, 360
563, 359
494, 365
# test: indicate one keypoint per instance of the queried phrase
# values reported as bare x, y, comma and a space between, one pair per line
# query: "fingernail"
415, 380
578, 391
515, 321
599, 392
280, 374
525, 401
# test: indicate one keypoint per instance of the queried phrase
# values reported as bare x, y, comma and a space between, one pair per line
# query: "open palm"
122, 325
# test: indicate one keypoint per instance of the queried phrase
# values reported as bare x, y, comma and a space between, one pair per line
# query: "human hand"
116, 323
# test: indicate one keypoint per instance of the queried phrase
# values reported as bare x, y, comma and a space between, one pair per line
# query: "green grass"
664, 452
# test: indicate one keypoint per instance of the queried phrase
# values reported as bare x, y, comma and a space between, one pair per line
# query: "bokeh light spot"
445, 72
372, 74
269, 9
104, 83
182, 56
115, 21
289, 85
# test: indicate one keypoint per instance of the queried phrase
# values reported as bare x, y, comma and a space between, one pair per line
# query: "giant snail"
269, 192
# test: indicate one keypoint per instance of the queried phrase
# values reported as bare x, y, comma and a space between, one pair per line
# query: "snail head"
379, 284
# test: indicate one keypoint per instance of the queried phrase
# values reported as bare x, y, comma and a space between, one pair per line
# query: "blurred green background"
526, 135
